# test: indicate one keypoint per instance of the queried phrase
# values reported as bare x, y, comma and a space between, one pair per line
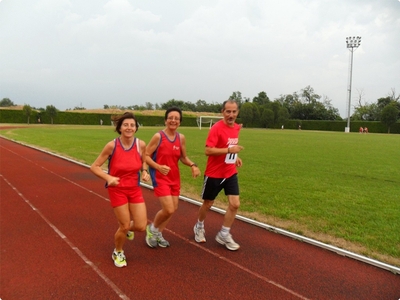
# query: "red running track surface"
57, 231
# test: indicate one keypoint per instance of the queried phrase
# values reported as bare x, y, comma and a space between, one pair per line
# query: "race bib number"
231, 158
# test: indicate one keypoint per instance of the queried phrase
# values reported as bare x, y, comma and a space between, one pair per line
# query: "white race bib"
231, 158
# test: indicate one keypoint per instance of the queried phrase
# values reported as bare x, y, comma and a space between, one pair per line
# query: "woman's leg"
124, 219
169, 205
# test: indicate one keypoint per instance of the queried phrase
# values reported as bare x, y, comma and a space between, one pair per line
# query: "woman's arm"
100, 160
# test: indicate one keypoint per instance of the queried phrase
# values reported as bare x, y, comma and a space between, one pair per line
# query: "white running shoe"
199, 234
227, 241
119, 259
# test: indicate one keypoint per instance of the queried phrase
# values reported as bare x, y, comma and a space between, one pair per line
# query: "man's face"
230, 113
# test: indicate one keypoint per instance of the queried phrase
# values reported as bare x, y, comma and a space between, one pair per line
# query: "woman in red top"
163, 153
125, 162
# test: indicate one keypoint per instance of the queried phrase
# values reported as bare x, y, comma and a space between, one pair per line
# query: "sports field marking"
70, 244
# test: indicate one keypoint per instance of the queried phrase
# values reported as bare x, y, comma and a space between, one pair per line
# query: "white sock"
153, 229
200, 224
225, 231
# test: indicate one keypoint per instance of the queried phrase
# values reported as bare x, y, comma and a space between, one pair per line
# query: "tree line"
261, 111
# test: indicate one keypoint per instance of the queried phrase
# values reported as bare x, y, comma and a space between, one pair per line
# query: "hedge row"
77, 118
373, 126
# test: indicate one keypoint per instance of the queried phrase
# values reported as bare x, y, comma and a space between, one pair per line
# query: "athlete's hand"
195, 171
238, 162
163, 169
145, 176
112, 181
235, 149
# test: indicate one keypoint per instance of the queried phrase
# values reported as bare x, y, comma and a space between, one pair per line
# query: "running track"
57, 230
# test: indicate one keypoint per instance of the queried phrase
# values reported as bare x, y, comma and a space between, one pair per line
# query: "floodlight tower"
352, 44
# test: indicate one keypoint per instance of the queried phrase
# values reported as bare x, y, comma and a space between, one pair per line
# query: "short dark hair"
230, 101
174, 108
118, 120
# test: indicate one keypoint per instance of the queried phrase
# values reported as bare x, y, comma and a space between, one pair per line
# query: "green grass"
341, 185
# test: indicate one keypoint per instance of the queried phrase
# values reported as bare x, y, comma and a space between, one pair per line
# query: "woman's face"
128, 127
173, 120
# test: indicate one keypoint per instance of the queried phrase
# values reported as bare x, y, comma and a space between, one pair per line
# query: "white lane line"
56, 174
176, 234
239, 266
71, 245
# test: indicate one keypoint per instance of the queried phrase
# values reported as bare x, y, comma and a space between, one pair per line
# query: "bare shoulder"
142, 143
156, 138
109, 147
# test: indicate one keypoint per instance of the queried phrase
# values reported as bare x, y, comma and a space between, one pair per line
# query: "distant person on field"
101, 122
163, 153
361, 130
222, 150
365, 130
124, 155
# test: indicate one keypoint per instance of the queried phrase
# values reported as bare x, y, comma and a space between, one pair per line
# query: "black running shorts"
212, 187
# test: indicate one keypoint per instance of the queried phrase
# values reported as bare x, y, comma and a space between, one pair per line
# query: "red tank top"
125, 164
168, 153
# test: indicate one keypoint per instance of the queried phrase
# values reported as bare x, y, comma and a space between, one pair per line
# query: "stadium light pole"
352, 44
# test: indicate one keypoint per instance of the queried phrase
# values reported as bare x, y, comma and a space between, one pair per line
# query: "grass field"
339, 188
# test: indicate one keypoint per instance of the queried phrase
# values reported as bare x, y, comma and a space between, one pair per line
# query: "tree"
27, 109
6, 102
185, 106
382, 102
201, 106
275, 107
331, 113
283, 115
308, 96
261, 99
287, 101
51, 111
367, 112
267, 118
237, 96
306, 105
149, 106
247, 113
389, 115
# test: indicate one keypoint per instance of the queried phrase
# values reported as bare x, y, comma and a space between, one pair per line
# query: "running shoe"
130, 235
161, 241
151, 238
199, 234
119, 259
227, 241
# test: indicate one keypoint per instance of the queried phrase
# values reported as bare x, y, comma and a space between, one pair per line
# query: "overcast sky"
89, 53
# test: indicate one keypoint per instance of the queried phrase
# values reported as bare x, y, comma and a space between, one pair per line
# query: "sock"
153, 229
225, 231
200, 224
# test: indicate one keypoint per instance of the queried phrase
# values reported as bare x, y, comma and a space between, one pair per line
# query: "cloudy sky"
70, 53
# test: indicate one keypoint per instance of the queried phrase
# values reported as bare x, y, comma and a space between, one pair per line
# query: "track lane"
269, 266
